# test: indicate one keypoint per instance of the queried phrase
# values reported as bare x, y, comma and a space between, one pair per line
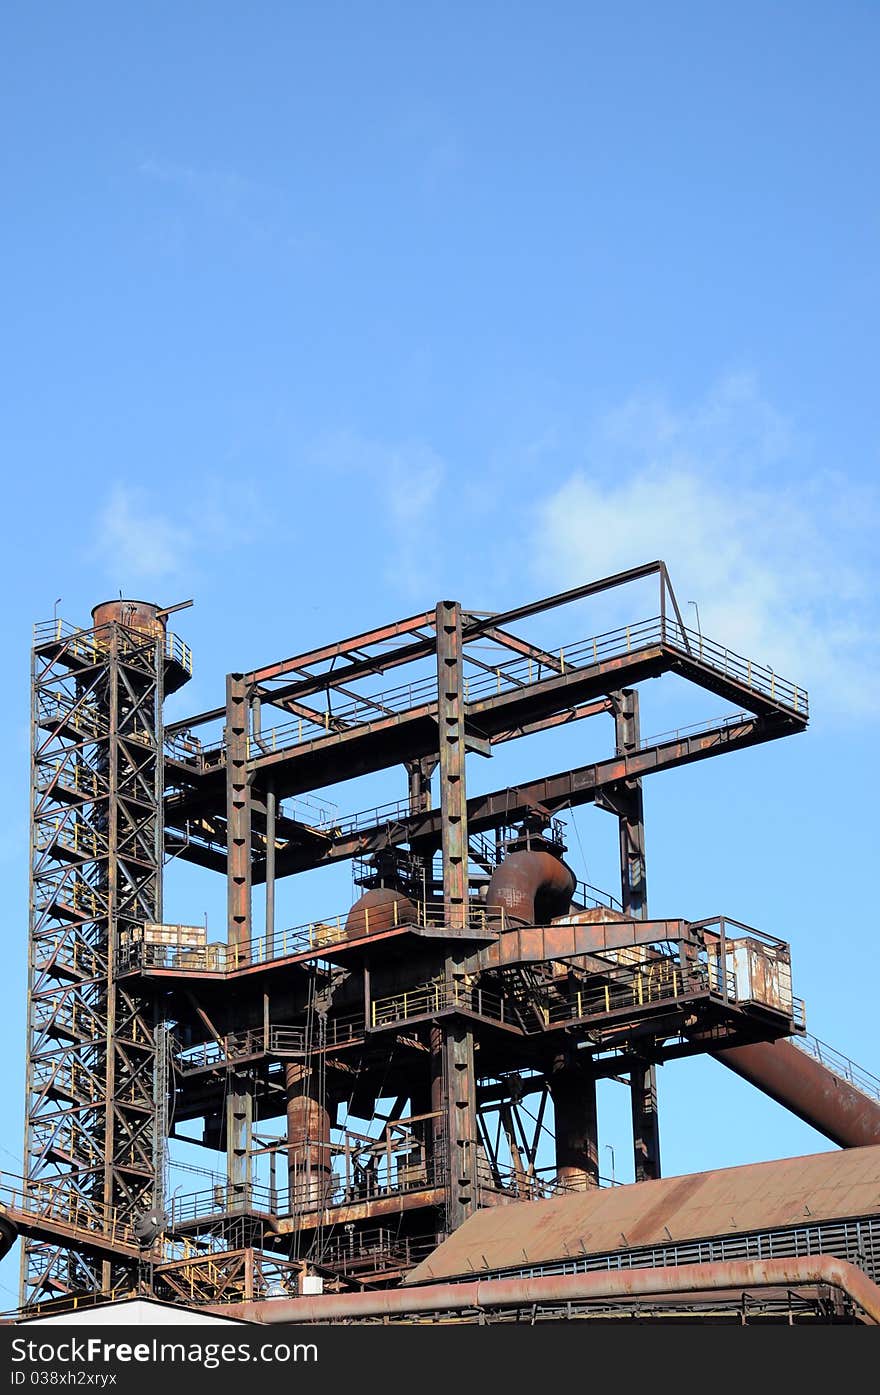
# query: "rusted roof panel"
761, 1196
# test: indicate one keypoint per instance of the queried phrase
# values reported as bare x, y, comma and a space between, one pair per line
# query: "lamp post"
611, 1151
699, 626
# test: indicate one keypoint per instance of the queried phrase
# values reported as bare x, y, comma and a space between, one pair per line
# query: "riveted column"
629, 805
454, 1043
238, 819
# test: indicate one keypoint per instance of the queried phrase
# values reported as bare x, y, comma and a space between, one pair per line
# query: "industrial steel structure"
460, 1011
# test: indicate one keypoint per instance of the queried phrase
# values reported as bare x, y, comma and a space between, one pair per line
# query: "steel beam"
238, 815
627, 799
457, 1037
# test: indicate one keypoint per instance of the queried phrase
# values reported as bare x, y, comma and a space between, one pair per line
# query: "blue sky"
319, 312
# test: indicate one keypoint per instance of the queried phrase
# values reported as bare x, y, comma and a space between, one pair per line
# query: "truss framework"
94, 1124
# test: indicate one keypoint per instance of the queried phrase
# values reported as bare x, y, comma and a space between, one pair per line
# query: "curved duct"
531, 888
672, 1281
810, 1090
379, 910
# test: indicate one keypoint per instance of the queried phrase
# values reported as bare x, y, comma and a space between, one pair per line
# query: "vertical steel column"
271, 810
239, 1127
453, 794
456, 1067
634, 898
238, 817
458, 1081
240, 1104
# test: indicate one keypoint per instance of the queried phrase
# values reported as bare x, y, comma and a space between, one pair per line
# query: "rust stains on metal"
811, 1091
379, 911
674, 1281
762, 1196
531, 887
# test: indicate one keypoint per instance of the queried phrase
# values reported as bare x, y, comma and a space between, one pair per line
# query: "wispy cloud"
223, 196
222, 189
404, 480
780, 562
136, 540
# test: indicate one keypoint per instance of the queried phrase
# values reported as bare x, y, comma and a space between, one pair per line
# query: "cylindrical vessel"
309, 1163
136, 615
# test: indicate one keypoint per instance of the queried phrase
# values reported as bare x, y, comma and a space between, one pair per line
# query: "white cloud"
405, 480
779, 560
134, 540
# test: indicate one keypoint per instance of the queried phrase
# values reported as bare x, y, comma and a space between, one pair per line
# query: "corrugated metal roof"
761, 1196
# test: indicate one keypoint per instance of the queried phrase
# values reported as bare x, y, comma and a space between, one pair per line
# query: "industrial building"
396, 1102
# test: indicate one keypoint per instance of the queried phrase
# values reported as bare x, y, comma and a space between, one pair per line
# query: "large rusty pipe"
672, 1281
575, 1127
810, 1090
309, 1163
531, 888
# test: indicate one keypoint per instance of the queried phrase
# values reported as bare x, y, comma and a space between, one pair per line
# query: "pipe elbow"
530, 888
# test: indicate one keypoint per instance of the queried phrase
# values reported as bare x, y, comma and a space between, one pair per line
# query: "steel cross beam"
422, 647
568, 788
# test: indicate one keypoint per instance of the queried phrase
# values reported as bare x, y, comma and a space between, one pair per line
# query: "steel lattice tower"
95, 1120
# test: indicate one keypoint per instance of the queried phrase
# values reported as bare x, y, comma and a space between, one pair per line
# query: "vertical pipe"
271, 809
309, 1163
634, 898
573, 1092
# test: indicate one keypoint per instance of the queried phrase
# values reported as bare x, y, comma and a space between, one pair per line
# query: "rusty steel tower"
361, 1084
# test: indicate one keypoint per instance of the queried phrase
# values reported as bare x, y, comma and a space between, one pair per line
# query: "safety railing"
376, 1249
316, 1190
332, 1033
72, 775
685, 733
518, 673
86, 645
92, 647
534, 1183
313, 937
759, 678
433, 998
847, 1070
311, 1190
69, 953
54, 714
179, 653
37, 1201
62, 895
624, 987
71, 834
